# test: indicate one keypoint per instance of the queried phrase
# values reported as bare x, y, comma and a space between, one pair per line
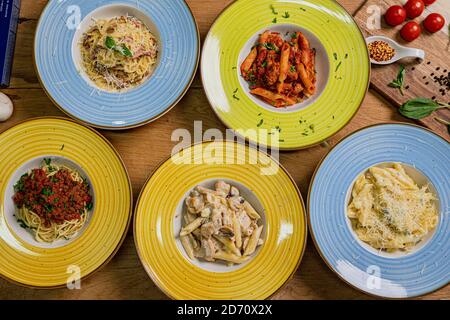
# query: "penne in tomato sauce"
281, 72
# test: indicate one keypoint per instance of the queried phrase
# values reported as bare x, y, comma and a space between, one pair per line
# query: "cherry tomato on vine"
395, 15
411, 31
428, 2
434, 22
414, 8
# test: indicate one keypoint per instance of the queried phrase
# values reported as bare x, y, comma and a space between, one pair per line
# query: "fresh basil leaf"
398, 82
124, 51
110, 43
419, 108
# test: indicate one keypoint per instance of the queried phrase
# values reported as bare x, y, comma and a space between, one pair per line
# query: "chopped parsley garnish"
47, 161
286, 15
273, 9
338, 66
270, 46
235, 91
274, 20
62, 148
294, 35
335, 55
46, 191
236, 98
264, 64
260, 123
293, 69
22, 223
89, 206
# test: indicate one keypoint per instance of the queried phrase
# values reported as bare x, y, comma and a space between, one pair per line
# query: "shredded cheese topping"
119, 53
389, 211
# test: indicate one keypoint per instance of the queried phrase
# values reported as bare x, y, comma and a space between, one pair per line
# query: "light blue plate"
179, 55
411, 275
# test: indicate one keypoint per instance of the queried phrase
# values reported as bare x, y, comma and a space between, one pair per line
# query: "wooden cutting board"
419, 78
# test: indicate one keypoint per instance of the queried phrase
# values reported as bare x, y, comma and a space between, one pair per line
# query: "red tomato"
395, 15
434, 22
428, 2
414, 8
411, 31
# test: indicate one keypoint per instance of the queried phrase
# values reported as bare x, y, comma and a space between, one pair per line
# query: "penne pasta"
281, 72
191, 226
303, 74
187, 245
225, 256
284, 63
229, 245
251, 211
253, 241
248, 62
237, 231
215, 223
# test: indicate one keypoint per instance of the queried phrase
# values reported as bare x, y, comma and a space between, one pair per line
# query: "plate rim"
132, 126
154, 277
280, 147
311, 232
130, 211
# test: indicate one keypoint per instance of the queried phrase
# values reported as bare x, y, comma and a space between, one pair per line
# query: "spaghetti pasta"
53, 202
119, 53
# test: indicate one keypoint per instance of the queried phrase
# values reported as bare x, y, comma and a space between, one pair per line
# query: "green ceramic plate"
342, 65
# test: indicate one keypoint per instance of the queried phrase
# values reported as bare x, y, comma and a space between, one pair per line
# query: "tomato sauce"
57, 199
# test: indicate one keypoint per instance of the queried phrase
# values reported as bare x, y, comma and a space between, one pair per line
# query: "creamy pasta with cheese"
389, 211
119, 53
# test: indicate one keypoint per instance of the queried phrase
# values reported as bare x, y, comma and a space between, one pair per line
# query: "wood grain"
144, 148
419, 77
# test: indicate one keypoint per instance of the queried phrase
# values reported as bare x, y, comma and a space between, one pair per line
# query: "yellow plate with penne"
220, 220
287, 74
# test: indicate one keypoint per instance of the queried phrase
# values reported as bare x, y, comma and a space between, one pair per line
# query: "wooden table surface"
143, 148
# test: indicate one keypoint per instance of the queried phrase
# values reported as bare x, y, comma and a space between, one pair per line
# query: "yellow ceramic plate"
342, 65
158, 221
24, 260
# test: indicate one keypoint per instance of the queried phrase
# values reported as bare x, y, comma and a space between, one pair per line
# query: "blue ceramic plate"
60, 27
388, 275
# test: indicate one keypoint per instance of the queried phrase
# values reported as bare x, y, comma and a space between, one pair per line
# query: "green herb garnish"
89, 206
286, 15
47, 161
122, 49
335, 56
235, 91
264, 64
48, 207
292, 69
274, 20
260, 123
270, 46
294, 35
273, 9
420, 108
62, 148
22, 223
46, 191
338, 66
398, 82
235, 97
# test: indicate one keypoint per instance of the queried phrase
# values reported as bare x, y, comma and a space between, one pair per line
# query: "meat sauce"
56, 199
